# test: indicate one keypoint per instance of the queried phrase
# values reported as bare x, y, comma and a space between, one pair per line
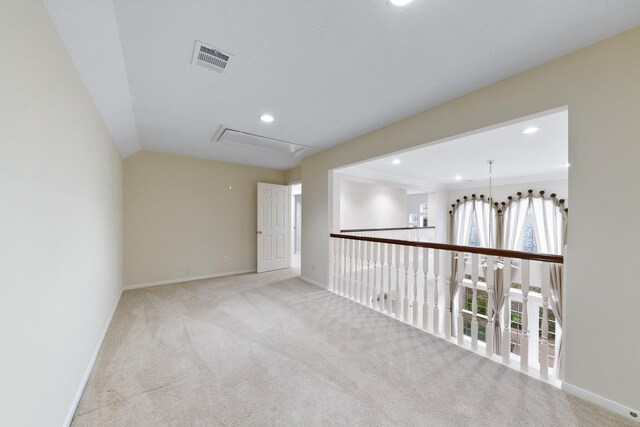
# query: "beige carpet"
270, 349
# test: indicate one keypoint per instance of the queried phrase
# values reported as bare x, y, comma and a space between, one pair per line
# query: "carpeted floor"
270, 349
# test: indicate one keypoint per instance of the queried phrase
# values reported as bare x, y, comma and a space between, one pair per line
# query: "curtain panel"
503, 226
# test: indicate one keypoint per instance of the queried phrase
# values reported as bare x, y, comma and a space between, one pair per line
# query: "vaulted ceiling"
328, 71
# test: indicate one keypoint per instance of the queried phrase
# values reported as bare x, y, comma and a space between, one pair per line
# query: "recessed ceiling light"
400, 2
267, 118
566, 165
530, 130
458, 178
396, 161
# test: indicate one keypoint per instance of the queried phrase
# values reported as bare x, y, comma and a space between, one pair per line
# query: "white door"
273, 227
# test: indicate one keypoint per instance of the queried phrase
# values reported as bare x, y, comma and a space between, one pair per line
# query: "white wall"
371, 206
600, 87
60, 223
413, 207
182, 216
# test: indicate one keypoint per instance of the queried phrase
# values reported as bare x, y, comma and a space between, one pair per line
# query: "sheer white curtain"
549, 225
462, 222
550, 230
505, 229
486, 223
512, 223
515, 218
462, 215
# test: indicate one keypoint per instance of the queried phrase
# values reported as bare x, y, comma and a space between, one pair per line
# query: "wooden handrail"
558, 259
354, 230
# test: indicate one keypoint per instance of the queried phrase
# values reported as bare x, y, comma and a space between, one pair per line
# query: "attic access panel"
257, 142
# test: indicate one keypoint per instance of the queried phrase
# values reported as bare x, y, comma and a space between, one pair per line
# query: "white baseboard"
186, 279
313, 282
600, 401
87, 372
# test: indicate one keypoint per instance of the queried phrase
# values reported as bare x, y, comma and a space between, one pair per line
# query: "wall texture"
372, 206
60, 223
293, 175
599, 84
182, 216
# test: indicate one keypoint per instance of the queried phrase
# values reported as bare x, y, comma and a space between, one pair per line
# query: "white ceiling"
327, 70
517, 157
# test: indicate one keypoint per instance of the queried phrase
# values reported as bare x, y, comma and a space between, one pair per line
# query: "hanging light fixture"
490, 178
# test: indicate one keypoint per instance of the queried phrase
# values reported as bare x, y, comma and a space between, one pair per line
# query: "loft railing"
417, 234
426, 285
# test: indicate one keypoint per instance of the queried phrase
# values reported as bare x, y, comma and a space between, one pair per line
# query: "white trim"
87, 372
600, 401
186, 279
313, 282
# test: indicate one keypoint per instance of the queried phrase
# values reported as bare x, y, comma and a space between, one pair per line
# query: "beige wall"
293, 175
600, 86
181, 217
371, 206
60, 223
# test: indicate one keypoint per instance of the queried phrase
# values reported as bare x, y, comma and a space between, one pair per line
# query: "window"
529, 239
473, 233
482, 328
516, 326
468, 313
551, 336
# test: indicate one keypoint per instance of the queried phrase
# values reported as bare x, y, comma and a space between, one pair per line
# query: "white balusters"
544, 344
506, 313
405, 300
378, 275
356, 261
461, 298
398, 287
369, 285
381, 249
425, 289
488, 334
436, 279
361, 283
348, 244
347, 267
375, 291
364, 280
524, 341
389, 272
447, 302
338, 266
333, 276
354, 272
343, 266
474, 302
415, 286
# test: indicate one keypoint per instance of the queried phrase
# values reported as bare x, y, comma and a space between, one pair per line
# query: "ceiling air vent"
210, 57
256, 142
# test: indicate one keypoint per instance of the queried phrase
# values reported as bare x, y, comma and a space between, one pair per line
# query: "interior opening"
503, 188
417, 187
296, 225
